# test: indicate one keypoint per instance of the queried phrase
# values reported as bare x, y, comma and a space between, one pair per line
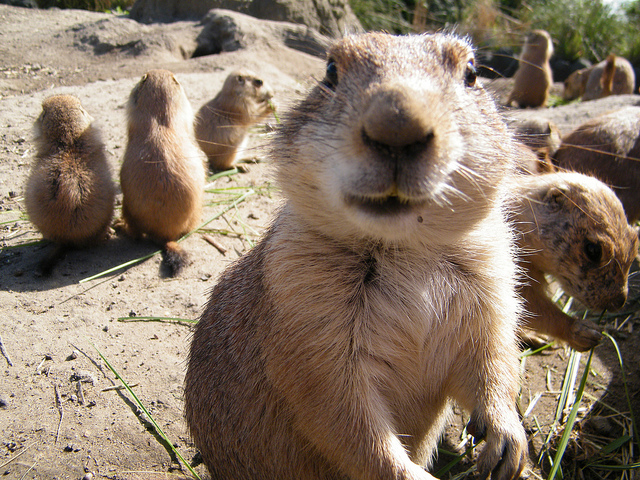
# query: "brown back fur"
608, 147
533, 78
162, 175
384, 288
573, 227
69, 194
222, 124
596, 81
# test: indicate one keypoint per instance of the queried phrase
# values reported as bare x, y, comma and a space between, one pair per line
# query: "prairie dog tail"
606, 81
174, 258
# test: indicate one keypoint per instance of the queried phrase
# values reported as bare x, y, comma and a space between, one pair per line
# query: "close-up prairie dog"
163, 169
573, 227
533, 78
384, 289
69, 193
613, 76
608, 147
222, 124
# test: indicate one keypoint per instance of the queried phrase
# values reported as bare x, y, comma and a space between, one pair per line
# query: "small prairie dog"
612, 76
384, 289
538, 133
540, 138
533, 78
163, 169
222, 124
608, 147
69, 194
573, 227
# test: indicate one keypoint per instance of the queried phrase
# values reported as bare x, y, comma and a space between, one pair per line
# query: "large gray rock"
121, 34
219, 31
333, 18
227, 31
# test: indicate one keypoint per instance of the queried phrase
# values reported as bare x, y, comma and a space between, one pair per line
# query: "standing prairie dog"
222, 124
533, 78
162, 175
608, 147
382, 292
69, 194
573, 227
612, 76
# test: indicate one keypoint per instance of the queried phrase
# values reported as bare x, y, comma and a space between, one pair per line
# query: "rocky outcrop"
333, 18
227, 31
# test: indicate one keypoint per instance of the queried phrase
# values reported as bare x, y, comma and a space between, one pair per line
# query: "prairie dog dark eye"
257, 83
470, 75
331, 77
593, 251
240, 79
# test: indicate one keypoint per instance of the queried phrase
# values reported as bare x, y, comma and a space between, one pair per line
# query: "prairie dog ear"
544, 165
555, 198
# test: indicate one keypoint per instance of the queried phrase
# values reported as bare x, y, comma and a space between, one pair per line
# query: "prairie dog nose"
396, 119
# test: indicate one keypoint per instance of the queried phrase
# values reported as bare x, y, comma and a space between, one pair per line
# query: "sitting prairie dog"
222, 124
538, 133
573, 227
608, 148
69, 194
612, 76
384, 289
533, 78
163, 169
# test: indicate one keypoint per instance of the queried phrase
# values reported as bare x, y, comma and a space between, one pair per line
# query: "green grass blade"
564, 440
631, 466
616, 444
528, 352
455, 461
225, 173
135, 261
156, 319
567, 384
120, 267
146, 412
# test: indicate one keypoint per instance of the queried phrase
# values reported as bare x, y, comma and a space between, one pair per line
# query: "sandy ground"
60, 416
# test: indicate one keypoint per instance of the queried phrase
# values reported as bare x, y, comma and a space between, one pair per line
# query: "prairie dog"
162, 174
69, 194
222, 124
533, 78
538, 133
573, 227
384, 289
612, 76
608, 148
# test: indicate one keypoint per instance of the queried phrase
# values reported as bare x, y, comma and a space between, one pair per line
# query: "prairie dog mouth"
389, 205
